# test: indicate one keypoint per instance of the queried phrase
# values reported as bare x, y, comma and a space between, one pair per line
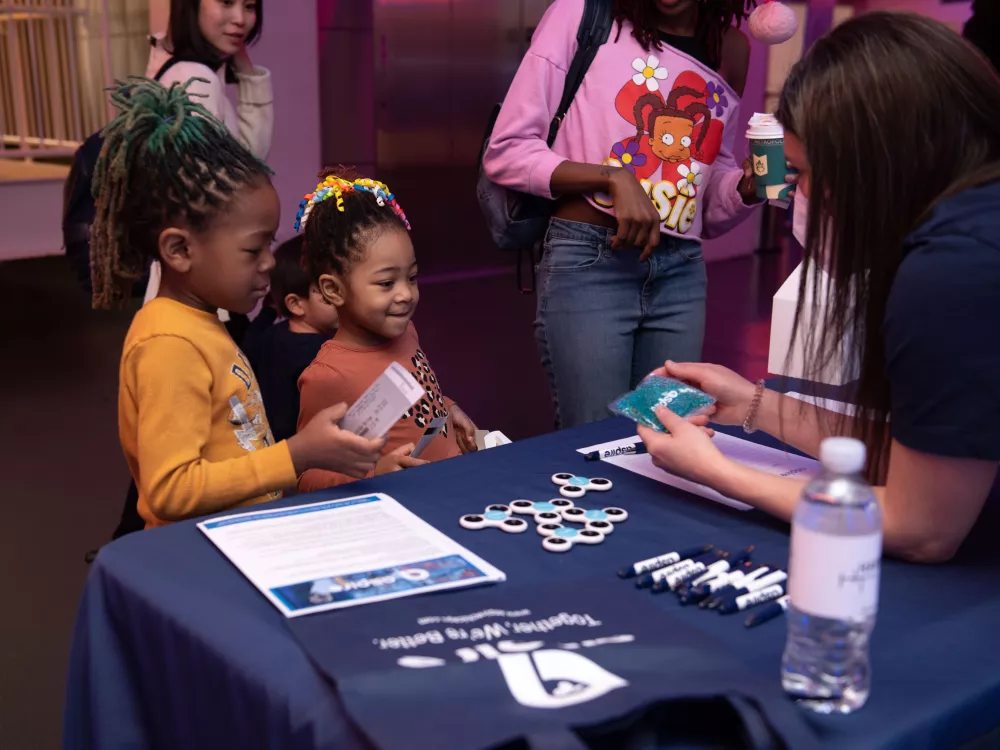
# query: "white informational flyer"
341, 553
756, 456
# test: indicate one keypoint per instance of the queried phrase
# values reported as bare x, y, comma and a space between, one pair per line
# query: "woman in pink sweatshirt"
643, 171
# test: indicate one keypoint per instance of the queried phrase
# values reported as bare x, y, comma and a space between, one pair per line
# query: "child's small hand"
321, 444
465, 429
397, 460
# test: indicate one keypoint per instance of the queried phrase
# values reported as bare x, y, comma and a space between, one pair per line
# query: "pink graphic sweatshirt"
664, 116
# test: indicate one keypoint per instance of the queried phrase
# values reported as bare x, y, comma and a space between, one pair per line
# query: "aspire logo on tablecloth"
540, 677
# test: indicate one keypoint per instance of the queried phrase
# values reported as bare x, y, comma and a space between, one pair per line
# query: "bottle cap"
842, 455
763, 126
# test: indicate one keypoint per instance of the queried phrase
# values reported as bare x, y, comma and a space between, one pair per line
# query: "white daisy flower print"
690, 178
648, 72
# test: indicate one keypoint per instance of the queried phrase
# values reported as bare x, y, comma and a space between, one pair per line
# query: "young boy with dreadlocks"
643, 170
358, 249
173, 185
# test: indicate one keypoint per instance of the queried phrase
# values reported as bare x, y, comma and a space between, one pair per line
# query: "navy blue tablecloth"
173, 648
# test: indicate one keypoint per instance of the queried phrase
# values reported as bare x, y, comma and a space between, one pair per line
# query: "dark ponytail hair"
336, 238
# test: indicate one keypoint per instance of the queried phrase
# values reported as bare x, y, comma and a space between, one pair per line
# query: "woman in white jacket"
208, 39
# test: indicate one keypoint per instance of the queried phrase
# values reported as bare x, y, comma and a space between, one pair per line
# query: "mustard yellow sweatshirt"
191, 420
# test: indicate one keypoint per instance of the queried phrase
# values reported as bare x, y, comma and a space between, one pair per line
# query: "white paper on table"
761, 457
342, 553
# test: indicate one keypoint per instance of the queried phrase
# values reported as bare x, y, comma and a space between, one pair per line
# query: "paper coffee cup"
767, 156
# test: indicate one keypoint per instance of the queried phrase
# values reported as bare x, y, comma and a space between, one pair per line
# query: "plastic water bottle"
833, 579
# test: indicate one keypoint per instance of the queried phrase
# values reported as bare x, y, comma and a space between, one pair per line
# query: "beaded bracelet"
758, 396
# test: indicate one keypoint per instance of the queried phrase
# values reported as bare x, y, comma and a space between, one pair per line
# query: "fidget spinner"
496, 517
599, 520
573, 486
558, 538
547, 512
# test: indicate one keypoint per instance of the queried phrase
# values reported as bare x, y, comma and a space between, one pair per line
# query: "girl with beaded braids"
172, 184
358, 250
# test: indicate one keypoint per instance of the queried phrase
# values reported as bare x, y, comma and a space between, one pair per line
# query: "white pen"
752, 599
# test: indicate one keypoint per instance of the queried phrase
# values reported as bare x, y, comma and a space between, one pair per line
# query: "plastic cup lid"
764, 126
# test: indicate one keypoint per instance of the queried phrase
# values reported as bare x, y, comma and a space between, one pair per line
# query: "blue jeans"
605, 320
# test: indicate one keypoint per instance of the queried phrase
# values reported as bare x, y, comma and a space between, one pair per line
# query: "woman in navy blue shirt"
893, 124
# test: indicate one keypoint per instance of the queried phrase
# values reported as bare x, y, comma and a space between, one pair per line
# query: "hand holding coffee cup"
767, 155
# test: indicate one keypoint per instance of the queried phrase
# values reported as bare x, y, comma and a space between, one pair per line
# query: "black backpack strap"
595, 27
165, 67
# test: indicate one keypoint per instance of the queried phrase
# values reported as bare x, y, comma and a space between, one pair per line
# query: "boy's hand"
397, 460
321, 444
465, 429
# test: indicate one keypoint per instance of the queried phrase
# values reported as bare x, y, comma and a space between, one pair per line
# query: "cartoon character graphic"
670, 128
675, 138
247, 415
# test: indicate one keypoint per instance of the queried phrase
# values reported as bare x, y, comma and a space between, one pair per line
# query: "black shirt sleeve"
942, 342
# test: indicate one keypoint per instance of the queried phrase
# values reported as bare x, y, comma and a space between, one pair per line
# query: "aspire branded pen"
636, 449
734, 587
672, 581
753, 598
771, 579
647, 580
696, 592
772, 610
662, 561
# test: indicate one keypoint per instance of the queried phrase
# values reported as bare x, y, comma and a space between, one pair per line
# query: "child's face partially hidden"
312, 314
379, 295
228, 265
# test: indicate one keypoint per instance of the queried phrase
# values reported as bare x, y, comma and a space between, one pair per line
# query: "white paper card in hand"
756, 456
383, 404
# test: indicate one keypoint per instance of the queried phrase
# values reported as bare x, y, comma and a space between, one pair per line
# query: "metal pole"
37, 90
70, 18
106, 39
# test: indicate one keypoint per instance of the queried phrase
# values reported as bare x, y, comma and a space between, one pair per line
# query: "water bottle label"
834, 576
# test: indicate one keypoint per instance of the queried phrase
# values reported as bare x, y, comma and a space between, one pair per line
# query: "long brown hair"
896, 113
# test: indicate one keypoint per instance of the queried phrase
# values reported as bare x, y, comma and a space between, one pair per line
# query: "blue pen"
637, 449
662, 561
772, 610
753, 598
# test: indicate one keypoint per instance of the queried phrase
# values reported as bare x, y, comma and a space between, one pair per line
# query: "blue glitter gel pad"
656, 390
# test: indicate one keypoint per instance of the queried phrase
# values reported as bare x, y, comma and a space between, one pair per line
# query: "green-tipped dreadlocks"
164, 158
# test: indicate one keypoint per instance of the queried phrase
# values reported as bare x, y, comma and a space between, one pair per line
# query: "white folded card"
383, 404
759, 457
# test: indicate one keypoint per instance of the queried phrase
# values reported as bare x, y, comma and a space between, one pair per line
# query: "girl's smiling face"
378, 294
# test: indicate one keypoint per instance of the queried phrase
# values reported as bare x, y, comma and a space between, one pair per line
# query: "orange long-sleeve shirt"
191, 420
341, 373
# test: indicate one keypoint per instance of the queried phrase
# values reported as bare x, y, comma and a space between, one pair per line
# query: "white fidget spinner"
599, 520
496, 517
560, 538
547, 512
571, 485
